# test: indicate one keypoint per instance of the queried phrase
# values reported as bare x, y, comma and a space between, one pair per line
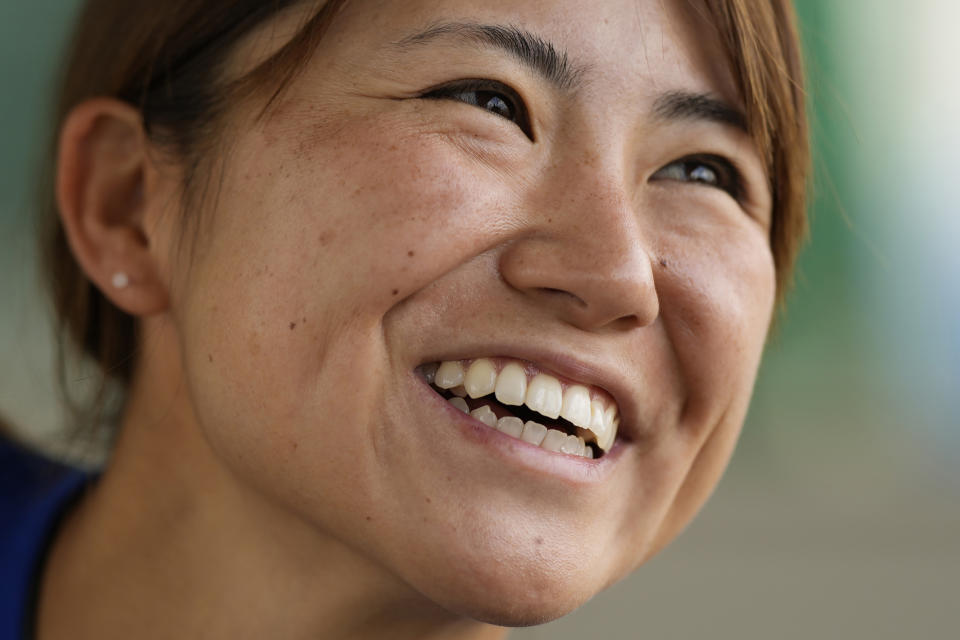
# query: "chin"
525, 606
512, 591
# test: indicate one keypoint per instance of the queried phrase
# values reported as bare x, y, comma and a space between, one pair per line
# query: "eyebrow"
530, 49
554, 65
686, 105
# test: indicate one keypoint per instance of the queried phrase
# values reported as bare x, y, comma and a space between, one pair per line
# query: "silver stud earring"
120, 280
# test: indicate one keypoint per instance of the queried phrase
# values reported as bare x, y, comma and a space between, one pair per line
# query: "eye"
489, 95
708, 170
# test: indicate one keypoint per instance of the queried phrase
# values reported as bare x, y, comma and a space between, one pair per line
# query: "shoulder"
34, 494
29, 480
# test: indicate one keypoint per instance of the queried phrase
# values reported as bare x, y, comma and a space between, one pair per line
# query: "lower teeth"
531, 432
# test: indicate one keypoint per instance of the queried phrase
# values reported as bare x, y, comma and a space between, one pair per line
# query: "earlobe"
105, 194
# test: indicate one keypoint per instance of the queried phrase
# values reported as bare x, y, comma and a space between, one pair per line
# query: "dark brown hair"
168, 59
763, 46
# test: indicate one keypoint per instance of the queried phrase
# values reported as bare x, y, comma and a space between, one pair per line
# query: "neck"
171, 544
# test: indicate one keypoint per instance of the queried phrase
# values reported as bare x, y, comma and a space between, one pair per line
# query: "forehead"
654, 44
629, 46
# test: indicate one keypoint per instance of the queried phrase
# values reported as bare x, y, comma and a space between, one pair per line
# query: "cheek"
717, 301
718, 292
391, 208
341, 228
311, 247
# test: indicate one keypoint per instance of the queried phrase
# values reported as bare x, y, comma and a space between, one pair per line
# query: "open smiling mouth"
516, 399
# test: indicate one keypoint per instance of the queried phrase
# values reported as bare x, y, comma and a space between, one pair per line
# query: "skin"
281, 472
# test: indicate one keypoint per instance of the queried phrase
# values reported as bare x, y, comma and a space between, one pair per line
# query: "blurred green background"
840, 514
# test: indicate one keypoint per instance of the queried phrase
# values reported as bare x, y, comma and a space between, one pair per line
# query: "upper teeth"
542, 393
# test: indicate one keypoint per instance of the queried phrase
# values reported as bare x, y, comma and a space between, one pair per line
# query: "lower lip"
573, 470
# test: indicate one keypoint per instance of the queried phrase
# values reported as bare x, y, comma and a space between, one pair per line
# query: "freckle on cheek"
326, 238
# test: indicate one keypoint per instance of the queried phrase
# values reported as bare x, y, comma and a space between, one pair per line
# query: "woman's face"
536, 183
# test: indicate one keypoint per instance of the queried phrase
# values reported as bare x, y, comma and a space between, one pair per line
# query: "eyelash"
490, 92
487, 93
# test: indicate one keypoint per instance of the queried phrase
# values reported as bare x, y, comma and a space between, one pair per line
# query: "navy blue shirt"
34, 495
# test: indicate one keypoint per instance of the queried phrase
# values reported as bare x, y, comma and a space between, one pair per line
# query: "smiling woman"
431, 318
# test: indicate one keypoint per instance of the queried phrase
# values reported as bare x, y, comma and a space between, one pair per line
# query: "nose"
583, 255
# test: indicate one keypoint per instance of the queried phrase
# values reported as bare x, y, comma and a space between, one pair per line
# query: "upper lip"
567, 365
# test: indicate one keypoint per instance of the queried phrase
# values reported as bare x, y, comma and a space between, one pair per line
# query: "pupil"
496, 104
703, 174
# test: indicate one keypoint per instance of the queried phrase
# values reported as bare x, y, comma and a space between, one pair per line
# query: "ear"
110, 193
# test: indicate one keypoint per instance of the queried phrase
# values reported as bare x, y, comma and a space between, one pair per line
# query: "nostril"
560, 293
632, 321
